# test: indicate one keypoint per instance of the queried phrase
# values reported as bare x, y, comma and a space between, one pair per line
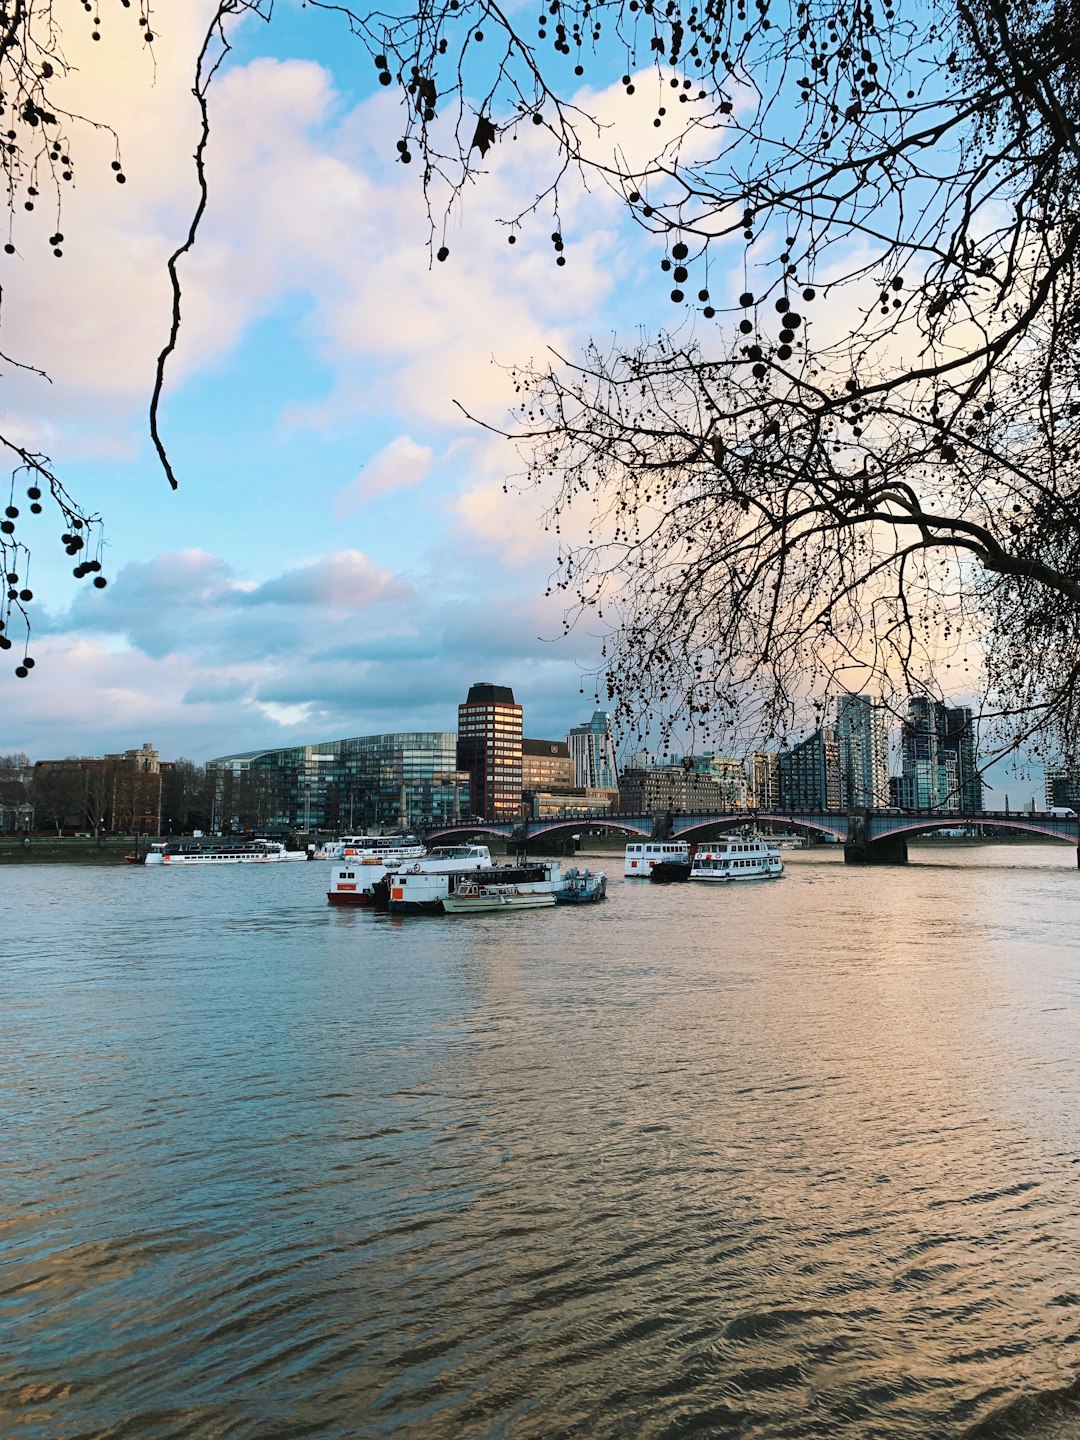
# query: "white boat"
643, 855
353, 881
473, 899
245, 852
411, 890
737, 857
385, 849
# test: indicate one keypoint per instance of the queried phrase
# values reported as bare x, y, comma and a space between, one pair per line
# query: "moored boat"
411, 890
666, 872
473, 899
354, 881
581, 887
384, 849
737, 857
253, 852
643, 855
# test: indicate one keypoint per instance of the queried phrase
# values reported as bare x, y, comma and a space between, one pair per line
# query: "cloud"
347, 580
401, 465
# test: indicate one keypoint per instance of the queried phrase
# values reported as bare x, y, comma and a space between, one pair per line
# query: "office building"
489, 748
661, 788
546, 765
366, 782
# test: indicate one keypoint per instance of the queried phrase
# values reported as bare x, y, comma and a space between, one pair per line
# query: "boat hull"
668, 872
501, 904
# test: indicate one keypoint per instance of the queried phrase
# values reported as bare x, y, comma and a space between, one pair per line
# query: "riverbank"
109, 850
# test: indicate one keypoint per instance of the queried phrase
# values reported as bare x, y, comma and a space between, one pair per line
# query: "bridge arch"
1046, 828
696, 827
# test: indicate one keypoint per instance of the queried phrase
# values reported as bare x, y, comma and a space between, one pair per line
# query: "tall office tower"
489, 748
810, 773
863, 737
592, 749
763, 773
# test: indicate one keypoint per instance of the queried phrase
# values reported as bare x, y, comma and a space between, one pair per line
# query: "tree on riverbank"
856, 461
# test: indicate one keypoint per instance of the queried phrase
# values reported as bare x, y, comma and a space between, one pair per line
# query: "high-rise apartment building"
940, 764
592, 749
489, 748
863, 737
810, 773
1063, 787
960, 741
763, 776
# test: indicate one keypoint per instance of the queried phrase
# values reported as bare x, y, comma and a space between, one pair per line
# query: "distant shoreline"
110, 850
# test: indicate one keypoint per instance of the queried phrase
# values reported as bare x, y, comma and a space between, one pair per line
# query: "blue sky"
340, 557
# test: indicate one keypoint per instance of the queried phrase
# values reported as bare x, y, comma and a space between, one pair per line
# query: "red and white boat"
353, 881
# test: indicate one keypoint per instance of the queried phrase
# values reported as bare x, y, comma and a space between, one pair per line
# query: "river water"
795, 1159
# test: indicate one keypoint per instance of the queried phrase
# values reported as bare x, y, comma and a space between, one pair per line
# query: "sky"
341, 556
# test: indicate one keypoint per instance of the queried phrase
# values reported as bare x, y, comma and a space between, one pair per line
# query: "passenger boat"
738, 857
353, 881
643, 855
581, 887
473, 899
253, 852
411, 890
384, 849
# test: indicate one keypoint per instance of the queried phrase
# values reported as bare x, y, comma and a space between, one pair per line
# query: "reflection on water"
797, 1159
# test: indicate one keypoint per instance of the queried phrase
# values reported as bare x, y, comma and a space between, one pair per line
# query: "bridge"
869, 837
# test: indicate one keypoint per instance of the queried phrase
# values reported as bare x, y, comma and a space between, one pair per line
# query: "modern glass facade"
592, 749
940, 765
367, 782
810, 773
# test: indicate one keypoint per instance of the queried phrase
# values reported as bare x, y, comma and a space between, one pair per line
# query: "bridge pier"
859, 849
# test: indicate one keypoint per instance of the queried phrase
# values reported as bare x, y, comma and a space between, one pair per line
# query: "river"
795, 1159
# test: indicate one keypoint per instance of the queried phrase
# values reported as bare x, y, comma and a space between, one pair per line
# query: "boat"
385, 849
642, 856
664, 872
581, 887
737, 857
354, 881
244, 852
412, 890
473, 899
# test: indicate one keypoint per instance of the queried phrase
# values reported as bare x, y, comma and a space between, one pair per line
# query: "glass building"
940, 764
810, 773
592, 749
367, 782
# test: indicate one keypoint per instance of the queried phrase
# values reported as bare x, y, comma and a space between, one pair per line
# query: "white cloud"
401, 465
